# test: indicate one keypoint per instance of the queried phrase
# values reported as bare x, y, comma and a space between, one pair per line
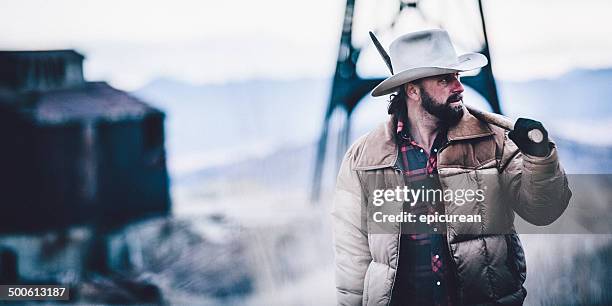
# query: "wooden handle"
503, 122
495, 119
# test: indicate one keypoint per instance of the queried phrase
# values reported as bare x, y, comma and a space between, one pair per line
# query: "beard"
443, 111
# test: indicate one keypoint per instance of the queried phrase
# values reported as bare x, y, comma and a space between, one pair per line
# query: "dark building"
74, 152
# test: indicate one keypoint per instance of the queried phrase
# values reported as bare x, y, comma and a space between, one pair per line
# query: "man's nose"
457, 87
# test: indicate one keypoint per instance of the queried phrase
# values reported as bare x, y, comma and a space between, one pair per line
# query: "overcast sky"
130, 43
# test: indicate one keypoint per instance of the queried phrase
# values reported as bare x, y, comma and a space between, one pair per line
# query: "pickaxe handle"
503, 122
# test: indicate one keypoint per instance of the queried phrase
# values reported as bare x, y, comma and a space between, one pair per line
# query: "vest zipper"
399, 238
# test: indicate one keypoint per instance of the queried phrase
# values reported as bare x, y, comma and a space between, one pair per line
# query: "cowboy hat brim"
465, 62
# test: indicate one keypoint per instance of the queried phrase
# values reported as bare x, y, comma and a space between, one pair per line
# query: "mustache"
454, 98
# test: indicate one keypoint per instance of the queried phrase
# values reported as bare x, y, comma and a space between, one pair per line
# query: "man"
433, 143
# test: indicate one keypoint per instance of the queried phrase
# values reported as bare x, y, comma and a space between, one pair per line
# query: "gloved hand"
526, 145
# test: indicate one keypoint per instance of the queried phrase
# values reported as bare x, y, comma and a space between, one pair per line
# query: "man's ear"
412, 91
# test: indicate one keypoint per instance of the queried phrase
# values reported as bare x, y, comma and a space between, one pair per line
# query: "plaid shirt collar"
408, 144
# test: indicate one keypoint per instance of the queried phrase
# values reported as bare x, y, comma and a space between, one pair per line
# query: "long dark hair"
398, 109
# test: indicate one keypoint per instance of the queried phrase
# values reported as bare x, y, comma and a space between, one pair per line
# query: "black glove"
526, 145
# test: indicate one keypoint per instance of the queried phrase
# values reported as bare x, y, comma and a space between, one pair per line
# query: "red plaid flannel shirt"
425, 273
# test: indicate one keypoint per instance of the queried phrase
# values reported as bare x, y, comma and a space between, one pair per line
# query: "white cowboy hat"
422, 54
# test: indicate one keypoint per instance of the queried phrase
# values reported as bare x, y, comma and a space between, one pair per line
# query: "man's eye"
448, 79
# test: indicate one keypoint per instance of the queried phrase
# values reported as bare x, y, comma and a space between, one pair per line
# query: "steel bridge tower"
348, 88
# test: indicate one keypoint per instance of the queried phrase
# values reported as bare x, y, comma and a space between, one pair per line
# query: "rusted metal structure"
74, 152
349, 88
